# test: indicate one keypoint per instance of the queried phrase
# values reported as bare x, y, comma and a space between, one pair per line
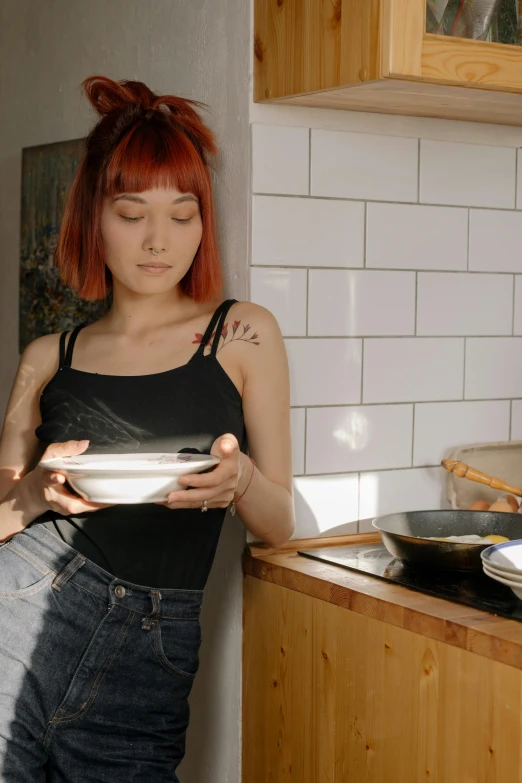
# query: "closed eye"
136, 219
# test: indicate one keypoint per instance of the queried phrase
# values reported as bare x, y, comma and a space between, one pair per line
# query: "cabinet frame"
375, 55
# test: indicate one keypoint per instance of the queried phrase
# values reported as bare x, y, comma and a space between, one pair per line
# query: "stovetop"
469, 588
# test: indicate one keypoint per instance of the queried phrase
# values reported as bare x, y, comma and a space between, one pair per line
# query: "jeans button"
120, 591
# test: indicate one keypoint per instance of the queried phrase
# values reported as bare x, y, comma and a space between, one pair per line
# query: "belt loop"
69, 571
150, 619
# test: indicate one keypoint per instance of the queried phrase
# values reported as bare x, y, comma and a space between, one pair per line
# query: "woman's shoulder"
253, 318
41, 358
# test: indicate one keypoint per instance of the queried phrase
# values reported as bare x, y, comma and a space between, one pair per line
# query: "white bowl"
128, 478
504, 557
516, 587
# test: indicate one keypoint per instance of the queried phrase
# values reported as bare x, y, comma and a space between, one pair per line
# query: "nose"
156, 239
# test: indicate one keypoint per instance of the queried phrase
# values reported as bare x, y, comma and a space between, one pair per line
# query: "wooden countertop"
461, 626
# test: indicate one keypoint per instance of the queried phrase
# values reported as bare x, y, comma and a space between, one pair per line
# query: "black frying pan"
406, 535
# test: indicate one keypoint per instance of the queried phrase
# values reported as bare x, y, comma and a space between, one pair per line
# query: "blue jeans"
95, 672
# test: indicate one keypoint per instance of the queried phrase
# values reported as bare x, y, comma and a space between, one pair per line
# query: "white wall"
197, 49
390, 249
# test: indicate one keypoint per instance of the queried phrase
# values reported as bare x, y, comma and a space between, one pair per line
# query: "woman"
99, 605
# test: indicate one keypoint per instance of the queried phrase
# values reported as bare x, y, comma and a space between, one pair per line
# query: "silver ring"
204, 506
155, 252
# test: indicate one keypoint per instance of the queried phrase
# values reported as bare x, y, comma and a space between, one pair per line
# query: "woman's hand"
44, 490
216, 487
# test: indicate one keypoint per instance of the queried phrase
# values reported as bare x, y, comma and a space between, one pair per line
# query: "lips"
155, 266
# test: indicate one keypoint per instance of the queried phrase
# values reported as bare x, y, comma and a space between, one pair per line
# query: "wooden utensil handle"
462, 470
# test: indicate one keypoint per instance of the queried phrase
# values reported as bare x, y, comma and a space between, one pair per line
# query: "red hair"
142, 141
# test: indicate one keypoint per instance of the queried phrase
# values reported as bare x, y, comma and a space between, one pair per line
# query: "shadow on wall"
215, 718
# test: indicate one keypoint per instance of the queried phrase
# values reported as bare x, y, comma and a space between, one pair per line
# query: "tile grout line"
354, 199
387, 269
514, 305
415, 337
399, 403
511, 420
404, 468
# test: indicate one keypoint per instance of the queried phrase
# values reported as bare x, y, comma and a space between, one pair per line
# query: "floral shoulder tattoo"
237, 332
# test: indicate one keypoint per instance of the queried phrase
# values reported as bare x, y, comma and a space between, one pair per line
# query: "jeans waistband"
69, 565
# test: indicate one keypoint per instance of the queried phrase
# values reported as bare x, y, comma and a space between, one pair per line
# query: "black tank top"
184, 409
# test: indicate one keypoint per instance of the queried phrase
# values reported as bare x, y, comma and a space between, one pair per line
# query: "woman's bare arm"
267, 507
20, 449
27, 491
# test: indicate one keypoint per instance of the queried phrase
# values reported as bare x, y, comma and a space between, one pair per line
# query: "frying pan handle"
462, 470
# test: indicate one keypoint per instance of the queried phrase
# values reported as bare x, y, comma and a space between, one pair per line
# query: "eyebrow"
139, 200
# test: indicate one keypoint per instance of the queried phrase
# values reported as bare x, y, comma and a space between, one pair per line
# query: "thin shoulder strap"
63, 337
70, 346
221, 322
224, 306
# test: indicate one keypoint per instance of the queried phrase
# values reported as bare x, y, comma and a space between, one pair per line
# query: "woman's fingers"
216, 502
70, 448
197, 496
60, 500
225, 447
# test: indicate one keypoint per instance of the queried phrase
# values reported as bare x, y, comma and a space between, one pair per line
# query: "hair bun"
107, 96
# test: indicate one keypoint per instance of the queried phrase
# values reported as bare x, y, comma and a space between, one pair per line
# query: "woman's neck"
136, 313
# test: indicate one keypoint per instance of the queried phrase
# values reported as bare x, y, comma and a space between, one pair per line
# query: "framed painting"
46, 304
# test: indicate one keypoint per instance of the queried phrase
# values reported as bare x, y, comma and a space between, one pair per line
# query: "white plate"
504, 557
515, 586
128, 478
502, 574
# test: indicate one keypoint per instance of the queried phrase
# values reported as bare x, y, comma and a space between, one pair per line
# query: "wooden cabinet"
375, 55
351, 679
331, 696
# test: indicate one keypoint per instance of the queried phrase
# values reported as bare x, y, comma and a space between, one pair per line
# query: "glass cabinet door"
497, 21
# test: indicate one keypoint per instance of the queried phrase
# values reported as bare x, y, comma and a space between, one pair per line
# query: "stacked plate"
503, 563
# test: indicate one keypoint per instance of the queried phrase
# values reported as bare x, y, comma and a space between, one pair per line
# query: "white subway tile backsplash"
283, 292
516, 420
358, 438
468, 175
361, 302
363, 166
307, 232
493, 368
392, 491
324, 372
495, 240
326, 504
517, 323
280, 156
441, 426
297, 428
407, 236
413, 368
464, 304
398, 316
